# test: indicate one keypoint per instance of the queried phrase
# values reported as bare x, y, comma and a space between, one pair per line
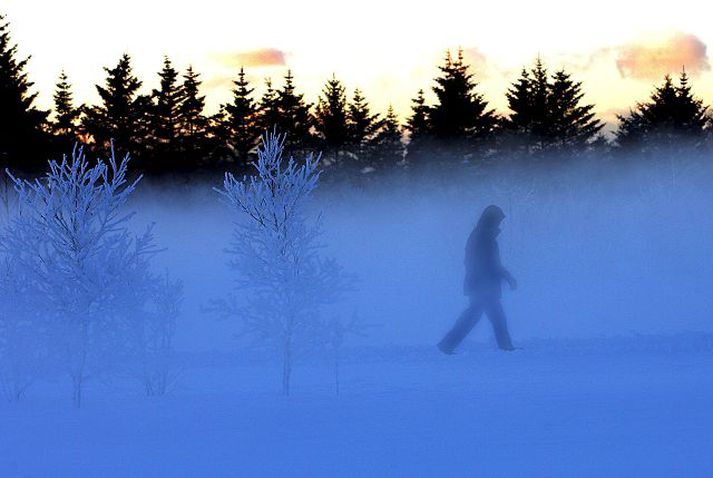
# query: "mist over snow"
610, 374
596, 253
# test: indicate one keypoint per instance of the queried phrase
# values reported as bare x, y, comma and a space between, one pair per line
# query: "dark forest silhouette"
169, 133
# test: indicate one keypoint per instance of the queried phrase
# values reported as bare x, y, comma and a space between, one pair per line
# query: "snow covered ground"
606, 407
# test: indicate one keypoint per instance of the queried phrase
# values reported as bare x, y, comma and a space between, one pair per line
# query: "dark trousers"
470, 316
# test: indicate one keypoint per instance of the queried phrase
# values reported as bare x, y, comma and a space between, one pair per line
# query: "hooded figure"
484, 274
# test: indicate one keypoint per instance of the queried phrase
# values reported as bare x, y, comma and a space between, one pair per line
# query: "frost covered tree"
23, 333
159, 371
275, 252
83, 269
23, 350
336, 331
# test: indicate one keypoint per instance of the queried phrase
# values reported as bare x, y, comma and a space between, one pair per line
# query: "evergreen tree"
164, 120
295, 120
417, 123
526, 96
362, 125
23, 142
192, 123
239, 123
331, 120
66, 116
671, 119
269, 108
574, 124
547, 115
419, 130
460, 121
122, 115
539, 126
387, 146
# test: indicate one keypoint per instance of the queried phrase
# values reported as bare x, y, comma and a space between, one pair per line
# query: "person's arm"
504, 273
509, 278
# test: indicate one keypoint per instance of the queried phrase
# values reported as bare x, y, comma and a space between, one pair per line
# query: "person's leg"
496, 314
461, 328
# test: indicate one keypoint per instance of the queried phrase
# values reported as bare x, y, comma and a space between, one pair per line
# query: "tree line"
168, 131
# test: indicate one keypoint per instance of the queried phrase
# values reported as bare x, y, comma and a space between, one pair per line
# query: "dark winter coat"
483, 270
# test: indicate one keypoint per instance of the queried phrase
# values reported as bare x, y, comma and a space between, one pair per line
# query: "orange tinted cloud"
651, 60
253, 58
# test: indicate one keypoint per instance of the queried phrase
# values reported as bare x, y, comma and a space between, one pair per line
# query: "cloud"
482, 66
651, 60
475, 58
253, 58
219, 82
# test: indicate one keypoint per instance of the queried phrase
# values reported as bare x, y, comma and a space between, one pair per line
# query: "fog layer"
598, 249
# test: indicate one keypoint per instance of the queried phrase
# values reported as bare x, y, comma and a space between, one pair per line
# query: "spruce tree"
331, 120
23, 141
673, 118
66, 115
362, 125
417, 123
269, 108
574, 125
517, 131
387, 146
460, 121
164, 120
539, 94
295, 119
547, 115
192, 123
419, 130
122, 115
240, 127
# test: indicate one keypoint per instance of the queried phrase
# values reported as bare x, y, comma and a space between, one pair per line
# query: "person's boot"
442, 347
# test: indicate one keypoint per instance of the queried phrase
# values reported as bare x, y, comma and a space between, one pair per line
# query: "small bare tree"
337, 330
159, 370
275, 251
23, 333
20, 338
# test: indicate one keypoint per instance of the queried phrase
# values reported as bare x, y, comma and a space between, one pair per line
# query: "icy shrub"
159, 369
82, 271
275, 253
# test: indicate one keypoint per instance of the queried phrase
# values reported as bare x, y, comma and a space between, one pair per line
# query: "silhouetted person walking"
483, 276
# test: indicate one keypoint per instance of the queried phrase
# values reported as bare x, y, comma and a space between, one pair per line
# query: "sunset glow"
388, 49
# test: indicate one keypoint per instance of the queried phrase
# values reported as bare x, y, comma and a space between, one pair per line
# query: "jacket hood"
491, 218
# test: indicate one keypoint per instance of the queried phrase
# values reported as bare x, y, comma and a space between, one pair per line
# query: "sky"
389, 49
